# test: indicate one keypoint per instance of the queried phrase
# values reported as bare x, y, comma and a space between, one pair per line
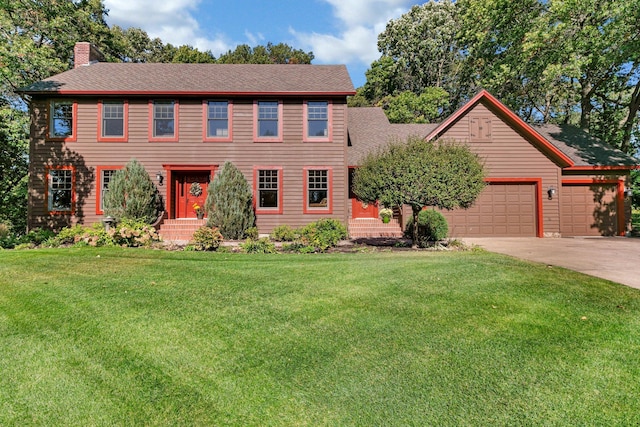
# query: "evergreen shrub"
132, 195
230, 203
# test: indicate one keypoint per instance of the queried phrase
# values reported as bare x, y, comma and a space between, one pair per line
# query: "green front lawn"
141, 337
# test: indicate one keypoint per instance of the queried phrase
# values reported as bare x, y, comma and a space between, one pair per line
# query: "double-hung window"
268, 121
317, 190
268, 189
113, 120
217, 126
60, 190
164, 121
317, 121
62, 121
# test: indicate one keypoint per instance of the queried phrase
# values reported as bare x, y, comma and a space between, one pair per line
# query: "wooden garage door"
588, 210
501, 210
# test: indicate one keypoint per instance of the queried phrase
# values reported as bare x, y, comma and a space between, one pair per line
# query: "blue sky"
337, 31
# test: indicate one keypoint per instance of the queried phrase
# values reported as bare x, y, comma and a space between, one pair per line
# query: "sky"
336, 31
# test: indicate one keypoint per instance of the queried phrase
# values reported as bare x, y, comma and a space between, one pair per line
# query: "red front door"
360, 209
187, 192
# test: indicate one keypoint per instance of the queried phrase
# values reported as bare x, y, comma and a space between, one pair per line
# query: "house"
288, 129
283, 126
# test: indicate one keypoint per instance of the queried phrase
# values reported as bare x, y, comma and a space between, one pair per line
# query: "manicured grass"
140, 337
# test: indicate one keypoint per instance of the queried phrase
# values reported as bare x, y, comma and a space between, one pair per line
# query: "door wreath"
195, 189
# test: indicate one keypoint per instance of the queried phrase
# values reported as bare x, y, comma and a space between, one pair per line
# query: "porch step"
373, 227
179, 229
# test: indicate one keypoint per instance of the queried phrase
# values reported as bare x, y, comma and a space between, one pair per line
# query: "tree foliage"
230, 202
419, 51
132, 195
14, 166
408, 107
575, 62
280, 53
419, 173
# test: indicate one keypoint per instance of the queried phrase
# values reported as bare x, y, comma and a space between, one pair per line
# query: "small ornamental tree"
132, 195
230, 203
418, 173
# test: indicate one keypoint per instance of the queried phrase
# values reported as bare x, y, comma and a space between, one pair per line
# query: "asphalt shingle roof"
582, 148
130, 78
370, 130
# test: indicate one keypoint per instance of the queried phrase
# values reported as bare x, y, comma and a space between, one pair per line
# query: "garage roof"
584, 149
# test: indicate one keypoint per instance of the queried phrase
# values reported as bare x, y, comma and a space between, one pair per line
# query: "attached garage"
504, 209
590, 209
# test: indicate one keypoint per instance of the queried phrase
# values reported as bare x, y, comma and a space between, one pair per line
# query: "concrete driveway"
613, 258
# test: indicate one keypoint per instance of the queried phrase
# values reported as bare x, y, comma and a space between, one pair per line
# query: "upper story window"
268, 121
217, 126
317, 116
62, 123
60, 190
113, 120
164, 121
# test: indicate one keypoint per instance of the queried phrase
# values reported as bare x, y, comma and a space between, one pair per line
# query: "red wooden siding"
292, 154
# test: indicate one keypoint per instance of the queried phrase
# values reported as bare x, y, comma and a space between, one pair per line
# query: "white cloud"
171, 21
253, 39
362, 21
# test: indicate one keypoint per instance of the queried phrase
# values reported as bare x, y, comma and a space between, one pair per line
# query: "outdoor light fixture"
551, 192
159, 177
628, 192
108, 221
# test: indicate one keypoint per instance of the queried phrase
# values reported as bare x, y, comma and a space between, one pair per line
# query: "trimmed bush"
432, 225
284, 233
230, 203
252, 233
323, 234
134, 233
132, 195
260, 246
206, 239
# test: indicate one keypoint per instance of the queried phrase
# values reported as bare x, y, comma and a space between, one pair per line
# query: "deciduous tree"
419, 173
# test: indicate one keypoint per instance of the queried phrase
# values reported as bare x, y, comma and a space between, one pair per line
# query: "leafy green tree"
419, 50
230, 203
280, 53
573, 62
14, 165
132, 195
37, 38
419, 173
407, 107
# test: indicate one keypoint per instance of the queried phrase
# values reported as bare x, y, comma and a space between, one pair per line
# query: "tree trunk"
414, 232
585, 107
628, 122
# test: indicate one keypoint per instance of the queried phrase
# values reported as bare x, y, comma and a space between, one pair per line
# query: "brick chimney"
84, 53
